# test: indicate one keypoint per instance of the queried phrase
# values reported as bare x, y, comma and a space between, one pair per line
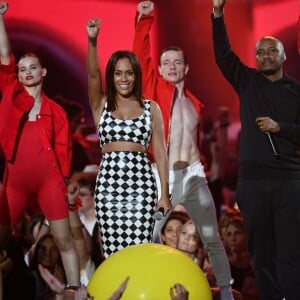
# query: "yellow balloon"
152, 269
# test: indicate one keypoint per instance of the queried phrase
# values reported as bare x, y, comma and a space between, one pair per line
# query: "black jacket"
280, 100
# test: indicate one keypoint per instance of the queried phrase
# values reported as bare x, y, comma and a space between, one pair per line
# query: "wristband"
75, 206
46, 223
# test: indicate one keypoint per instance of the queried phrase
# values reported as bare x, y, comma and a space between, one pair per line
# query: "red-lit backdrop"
56, 29
187, 24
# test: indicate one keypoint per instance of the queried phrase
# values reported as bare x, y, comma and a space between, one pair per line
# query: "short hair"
86, 179
173, 48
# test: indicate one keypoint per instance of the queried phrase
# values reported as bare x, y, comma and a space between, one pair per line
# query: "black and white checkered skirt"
126, 194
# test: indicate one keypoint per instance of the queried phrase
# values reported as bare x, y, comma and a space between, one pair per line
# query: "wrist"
218, 12
76, 205
93, 41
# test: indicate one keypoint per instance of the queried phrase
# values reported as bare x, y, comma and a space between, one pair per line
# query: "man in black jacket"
269, 177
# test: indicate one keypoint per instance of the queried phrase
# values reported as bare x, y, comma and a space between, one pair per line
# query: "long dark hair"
109, 77
34, 262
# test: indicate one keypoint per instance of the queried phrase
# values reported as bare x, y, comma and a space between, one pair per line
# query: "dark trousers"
271, 211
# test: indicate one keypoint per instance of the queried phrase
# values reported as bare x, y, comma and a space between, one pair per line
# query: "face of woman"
30, 72
124, 78
48, 253
188, 241
171, 233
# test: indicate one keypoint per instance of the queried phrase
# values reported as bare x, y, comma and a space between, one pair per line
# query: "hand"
266, 124
93, 27
164, 202
6, 266
119, 292
59, 273
81, 293
73, 192
3, 7
218, 6
178, 292
58, 287
145, 7
54, 284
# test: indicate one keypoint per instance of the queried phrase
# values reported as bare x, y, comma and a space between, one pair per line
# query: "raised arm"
4, 42
142, 47
144, 8
95, 90
218, 6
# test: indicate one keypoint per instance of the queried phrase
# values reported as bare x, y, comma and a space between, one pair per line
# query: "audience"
87, 182
88, 249
239, 257
189, 242
46, 254
225, 216
17, 280
169, 233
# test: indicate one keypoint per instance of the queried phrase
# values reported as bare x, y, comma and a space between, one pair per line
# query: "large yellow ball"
152, 269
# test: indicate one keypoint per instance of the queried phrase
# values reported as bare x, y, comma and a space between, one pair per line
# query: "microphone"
273, 145
159, 214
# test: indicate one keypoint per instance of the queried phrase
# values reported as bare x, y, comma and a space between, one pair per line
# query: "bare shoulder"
97, 112
154, 106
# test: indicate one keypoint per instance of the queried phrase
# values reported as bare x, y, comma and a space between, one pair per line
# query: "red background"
56, 29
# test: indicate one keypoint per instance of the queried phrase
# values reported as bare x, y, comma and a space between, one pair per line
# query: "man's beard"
270, 72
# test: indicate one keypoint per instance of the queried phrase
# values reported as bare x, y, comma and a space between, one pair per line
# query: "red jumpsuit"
37, 153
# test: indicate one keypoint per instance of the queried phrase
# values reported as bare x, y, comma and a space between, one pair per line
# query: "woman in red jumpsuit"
35, 142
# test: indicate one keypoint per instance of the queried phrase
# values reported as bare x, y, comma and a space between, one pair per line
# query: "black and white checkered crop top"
137, 130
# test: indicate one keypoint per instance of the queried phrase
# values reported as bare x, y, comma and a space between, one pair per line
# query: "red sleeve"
7, 73
63, 144
141, 48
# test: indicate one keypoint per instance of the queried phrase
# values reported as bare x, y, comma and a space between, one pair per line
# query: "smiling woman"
126, 192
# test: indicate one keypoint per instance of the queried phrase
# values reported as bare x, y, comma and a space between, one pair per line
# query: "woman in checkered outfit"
126, 192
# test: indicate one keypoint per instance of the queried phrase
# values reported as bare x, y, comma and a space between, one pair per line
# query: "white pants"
189, 188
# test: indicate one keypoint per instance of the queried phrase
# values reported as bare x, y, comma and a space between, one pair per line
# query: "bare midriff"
183, 148
123, 146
